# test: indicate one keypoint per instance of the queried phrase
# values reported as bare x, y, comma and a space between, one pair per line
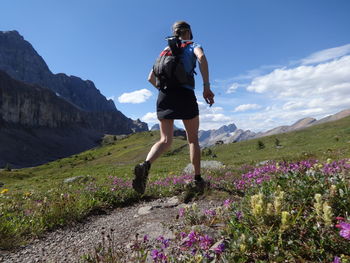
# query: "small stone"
145, 210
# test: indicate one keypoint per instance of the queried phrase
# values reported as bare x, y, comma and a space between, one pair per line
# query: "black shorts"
177, 103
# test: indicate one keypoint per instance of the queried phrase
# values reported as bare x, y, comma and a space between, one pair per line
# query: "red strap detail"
165, 52
186, 44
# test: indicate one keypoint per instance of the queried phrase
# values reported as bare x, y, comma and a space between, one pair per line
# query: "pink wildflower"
345, 230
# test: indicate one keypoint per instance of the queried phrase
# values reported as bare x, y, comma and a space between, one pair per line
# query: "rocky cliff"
30, 105
37, 126
20, 60
45, 116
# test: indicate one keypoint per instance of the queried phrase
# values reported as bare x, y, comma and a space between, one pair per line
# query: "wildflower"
333, 190
4, 191
27, 194
145, 238
285, 219
269, 209
279, 195
194, 207
158, 256
257, 203
239, 215
337, 260
227, 203
220, 248
183, 234
318, 204
210, 212
205, 242
182, 212
327, 214
345, 230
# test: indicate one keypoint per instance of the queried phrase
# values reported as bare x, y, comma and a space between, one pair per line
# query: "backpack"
168, 68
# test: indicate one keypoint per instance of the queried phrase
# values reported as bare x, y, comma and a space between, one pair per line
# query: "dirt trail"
70, 243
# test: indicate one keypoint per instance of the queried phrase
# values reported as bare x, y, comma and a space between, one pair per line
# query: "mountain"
300, 124
225, 134
230, 133
45, 116
20, 60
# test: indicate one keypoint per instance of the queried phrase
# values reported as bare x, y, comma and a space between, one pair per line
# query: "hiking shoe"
194, 188
201, 185
141, 175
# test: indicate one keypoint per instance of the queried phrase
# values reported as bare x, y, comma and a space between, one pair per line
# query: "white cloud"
306, 81
302, 91
246, 107
138, 96
326, 55
150, 117
212, 117
233, 88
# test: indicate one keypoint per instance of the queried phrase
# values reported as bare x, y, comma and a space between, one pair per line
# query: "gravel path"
68, 244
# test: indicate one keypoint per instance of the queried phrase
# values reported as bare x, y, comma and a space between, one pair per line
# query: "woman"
179, 103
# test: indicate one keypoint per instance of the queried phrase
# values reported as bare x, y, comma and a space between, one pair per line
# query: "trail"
68, 244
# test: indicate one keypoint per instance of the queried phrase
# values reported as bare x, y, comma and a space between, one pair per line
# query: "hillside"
70, 190
117, 157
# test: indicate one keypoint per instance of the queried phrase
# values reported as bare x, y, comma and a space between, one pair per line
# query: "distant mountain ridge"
230, 133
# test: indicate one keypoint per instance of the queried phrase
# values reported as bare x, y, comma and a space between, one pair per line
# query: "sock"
197, 177
148, 163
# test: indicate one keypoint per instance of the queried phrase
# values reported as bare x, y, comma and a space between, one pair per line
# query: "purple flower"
154, 254
183, 234
181, 212
239, 215
205, 242
227, 203
345, 230
337, 260
145, 238
158, 256
220, 248
210, 212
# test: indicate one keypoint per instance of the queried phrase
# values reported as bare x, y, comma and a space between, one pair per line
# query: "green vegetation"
34, 200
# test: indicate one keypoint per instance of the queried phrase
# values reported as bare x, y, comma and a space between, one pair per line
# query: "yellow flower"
333, 190
269, 209
329, 160
285, 219
327, 214
318, 204
4, 191
27, 194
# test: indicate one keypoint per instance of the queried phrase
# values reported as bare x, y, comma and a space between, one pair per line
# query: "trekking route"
68, 244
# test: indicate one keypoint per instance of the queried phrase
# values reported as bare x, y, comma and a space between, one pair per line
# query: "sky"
271, 62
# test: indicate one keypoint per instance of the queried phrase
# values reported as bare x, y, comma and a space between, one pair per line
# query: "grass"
37, 200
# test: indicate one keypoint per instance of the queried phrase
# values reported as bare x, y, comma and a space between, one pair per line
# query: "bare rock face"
46, 116
20, 60
36, 126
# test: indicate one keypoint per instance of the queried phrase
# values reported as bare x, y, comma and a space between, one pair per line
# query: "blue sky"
271, 62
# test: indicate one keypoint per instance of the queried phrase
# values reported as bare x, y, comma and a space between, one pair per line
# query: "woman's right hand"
208, 96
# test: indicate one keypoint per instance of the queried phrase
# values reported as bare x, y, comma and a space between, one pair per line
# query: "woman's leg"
192, 127
166, 138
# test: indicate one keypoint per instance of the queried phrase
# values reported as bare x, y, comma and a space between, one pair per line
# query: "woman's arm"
152, 78
203, 66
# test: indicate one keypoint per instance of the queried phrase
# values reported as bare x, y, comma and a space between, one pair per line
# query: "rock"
205, 230
75, 178
262, 163
172, 201
204, 165
154, 230
144, 210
